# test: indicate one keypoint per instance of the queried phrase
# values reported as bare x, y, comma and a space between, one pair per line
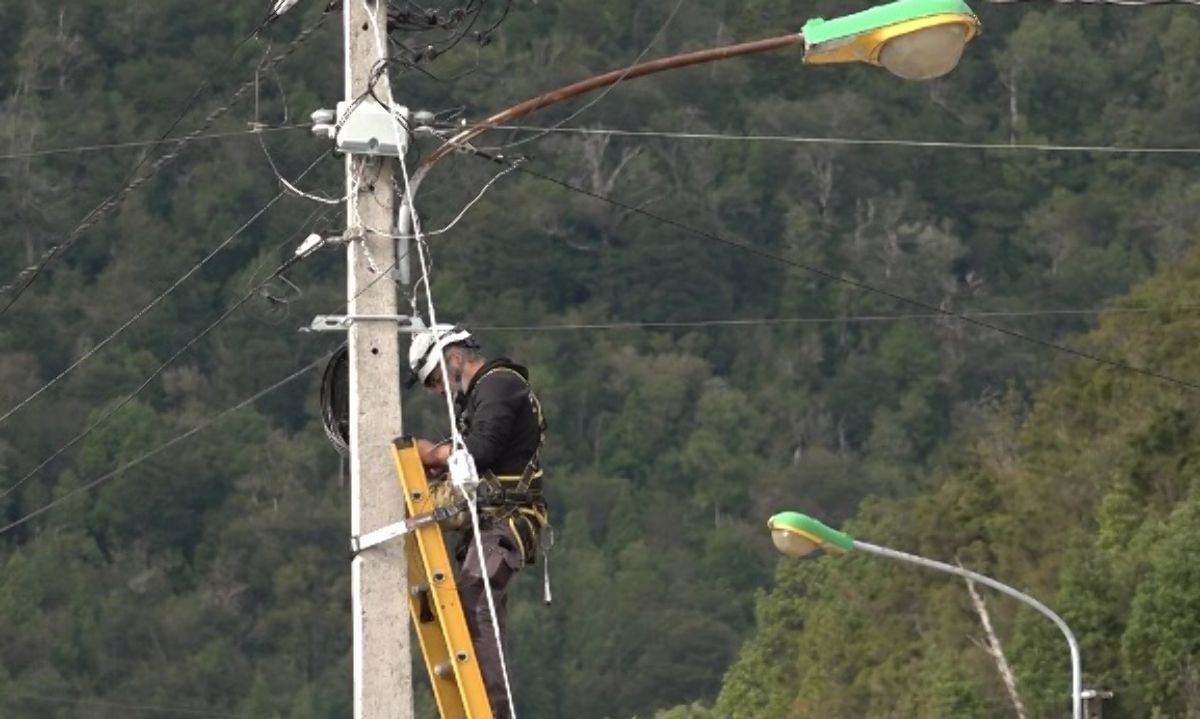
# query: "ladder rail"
434, 601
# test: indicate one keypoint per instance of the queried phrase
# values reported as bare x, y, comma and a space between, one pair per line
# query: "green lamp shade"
914, 39
799, 535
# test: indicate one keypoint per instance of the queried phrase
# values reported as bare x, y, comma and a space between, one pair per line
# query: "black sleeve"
497, 398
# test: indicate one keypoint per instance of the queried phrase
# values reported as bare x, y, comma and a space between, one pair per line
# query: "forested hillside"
213, 576
1090, 501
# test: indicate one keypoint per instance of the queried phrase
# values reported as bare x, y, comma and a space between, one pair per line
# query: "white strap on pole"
376, 537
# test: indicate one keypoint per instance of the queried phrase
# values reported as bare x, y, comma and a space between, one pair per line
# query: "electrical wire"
804, 140
426, 20
462, 213
154, 302
840, 279
209, 422
27, 276
289, 185
768, 321
591, 103
164, 446
259, 129
287, 264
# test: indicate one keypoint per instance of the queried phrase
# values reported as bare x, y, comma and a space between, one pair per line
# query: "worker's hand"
432, 454
425, 451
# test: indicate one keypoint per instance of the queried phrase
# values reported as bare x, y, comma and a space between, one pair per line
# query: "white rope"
456, 436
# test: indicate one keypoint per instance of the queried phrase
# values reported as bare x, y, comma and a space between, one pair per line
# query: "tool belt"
499, 492
503, 502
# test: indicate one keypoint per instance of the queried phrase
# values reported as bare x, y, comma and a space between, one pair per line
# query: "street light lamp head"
913, 39
926, 53
799, 535
793, 544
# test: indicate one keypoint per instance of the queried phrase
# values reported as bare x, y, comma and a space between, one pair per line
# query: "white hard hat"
423, 353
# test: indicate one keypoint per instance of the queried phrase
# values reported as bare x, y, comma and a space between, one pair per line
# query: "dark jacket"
498, 420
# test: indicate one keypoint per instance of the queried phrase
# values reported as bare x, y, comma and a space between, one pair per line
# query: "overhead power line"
27, 276
254, 290
871, 142
769, 321
840, 279
165, 445
112, 411
592, 103
148, 143
158, 299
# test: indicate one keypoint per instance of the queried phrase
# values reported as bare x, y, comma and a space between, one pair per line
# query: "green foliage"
213, 575
1089, 501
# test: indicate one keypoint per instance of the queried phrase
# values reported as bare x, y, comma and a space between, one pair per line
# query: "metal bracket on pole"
341, 323
405, 526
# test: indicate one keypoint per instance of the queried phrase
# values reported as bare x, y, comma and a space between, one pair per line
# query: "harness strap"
517, 500
533, 468
534, 519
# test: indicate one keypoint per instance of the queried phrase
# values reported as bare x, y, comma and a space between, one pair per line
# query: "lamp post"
799, 535
913, 39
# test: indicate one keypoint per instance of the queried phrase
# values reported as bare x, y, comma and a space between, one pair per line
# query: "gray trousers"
503, 561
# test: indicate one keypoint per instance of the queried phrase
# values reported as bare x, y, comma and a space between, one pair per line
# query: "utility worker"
500, 419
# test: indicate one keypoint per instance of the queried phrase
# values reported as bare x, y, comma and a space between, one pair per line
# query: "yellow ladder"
434, 602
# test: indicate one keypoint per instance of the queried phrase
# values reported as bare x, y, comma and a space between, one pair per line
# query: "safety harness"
517, 499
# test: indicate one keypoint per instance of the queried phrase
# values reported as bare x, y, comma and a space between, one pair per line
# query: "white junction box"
365, 128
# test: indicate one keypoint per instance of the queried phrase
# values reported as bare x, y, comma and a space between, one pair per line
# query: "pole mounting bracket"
341, 323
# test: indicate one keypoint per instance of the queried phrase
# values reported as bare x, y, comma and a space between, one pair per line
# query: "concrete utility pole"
382, 662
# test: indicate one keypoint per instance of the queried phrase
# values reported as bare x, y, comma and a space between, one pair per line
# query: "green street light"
799, 535
913, 39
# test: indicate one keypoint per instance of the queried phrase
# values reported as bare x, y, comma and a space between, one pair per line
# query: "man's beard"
456, 380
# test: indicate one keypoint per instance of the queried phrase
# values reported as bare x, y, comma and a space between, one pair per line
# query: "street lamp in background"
799, 535
913, 39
